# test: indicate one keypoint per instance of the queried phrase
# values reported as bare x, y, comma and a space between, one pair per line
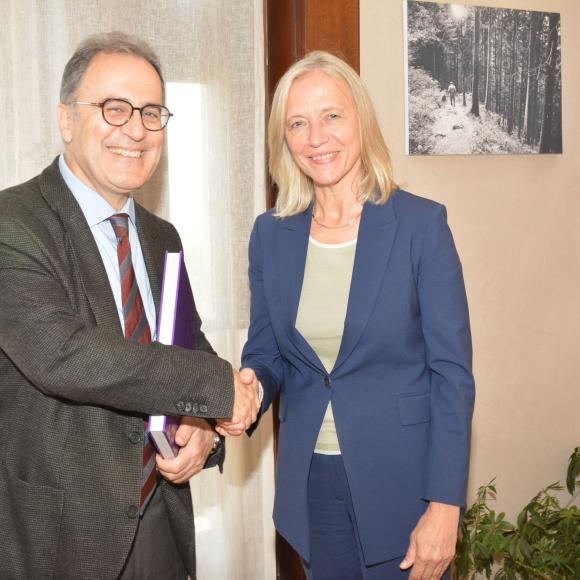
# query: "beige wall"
516, 222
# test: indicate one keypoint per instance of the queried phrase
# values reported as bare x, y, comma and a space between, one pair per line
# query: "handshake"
247, 402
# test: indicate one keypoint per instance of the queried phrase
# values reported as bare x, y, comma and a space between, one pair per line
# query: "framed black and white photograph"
482, 80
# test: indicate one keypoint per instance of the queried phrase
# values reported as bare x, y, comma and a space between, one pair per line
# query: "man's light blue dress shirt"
97, 212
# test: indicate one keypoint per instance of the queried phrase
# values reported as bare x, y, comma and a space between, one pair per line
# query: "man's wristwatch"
216, 443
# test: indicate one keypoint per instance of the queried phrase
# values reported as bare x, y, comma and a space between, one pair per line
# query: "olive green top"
321, 315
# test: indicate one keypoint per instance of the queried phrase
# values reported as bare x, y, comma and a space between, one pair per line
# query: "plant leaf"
573, 471
522, 518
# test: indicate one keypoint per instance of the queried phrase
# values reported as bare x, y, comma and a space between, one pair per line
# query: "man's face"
114, 161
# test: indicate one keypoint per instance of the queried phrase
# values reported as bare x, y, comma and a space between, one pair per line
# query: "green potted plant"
544, 543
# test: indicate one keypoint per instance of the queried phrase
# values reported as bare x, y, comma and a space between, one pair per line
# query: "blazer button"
180, 406
327, 381
195, 408
203, 408
188, 407
135, 437
132, 511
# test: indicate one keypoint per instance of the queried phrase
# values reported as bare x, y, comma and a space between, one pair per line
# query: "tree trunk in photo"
530, 117
523, 84
521, 100
482, 60
498, 99
557, 117
475, 91
512, 93
529, 76
461, 66
443, 65
549, 142
493, 82
457, 56
488, 65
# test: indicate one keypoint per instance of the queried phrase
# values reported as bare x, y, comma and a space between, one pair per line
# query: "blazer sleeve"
66, 357
445, 324
261, 352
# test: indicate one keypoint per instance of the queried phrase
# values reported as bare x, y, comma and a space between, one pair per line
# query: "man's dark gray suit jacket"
73, 392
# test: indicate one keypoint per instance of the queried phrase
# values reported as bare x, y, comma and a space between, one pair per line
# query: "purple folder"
177, 326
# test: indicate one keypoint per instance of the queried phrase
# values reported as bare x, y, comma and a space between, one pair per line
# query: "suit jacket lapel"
84, 248
375, 241
291, 254
153, 249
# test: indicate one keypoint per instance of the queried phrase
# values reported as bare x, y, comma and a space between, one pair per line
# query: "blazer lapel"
291, 256
375, 241
84, 248
153, 249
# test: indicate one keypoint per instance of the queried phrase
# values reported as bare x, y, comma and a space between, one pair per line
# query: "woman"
359, 319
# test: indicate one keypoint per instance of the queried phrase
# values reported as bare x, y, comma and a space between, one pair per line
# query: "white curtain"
210, 185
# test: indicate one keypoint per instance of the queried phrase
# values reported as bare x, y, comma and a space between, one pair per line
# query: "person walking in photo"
451, 90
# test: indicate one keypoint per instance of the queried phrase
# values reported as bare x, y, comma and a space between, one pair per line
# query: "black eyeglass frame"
102, 104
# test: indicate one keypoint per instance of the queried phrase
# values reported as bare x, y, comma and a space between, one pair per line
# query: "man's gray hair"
108, 43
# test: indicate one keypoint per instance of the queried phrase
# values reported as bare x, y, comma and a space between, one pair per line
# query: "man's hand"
246, 404
195, 437
432, 543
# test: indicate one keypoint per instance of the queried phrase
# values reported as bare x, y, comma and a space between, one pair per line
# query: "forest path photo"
436, 127
453, 131
502, 67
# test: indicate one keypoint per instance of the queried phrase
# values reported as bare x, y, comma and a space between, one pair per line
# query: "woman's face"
322, 130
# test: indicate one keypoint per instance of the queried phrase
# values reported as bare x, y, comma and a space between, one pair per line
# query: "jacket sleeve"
66, 357
261, 351
445, 324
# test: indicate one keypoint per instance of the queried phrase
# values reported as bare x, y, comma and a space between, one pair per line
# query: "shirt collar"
94, 207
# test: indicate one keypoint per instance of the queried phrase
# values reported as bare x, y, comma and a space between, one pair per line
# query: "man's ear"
65, 122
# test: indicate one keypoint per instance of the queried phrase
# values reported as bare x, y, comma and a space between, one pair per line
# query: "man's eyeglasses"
118, 112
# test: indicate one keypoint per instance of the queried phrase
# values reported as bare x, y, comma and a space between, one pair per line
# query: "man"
80, 271
451, 90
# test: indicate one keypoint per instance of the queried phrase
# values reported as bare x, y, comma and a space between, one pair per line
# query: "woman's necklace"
348, 223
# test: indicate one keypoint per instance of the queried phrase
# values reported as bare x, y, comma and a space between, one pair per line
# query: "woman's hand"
246, 406
432, 542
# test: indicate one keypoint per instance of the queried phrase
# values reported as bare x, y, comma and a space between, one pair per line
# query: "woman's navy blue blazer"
402, 389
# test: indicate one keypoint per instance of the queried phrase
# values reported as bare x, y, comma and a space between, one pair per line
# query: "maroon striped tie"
136, 329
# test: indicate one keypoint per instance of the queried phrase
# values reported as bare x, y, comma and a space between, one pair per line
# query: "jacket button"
195, 408
135, 437
188, 407
327, 381
132, 511
180, 406
203, 408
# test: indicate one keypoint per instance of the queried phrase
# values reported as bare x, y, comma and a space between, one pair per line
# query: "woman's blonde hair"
295, 189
